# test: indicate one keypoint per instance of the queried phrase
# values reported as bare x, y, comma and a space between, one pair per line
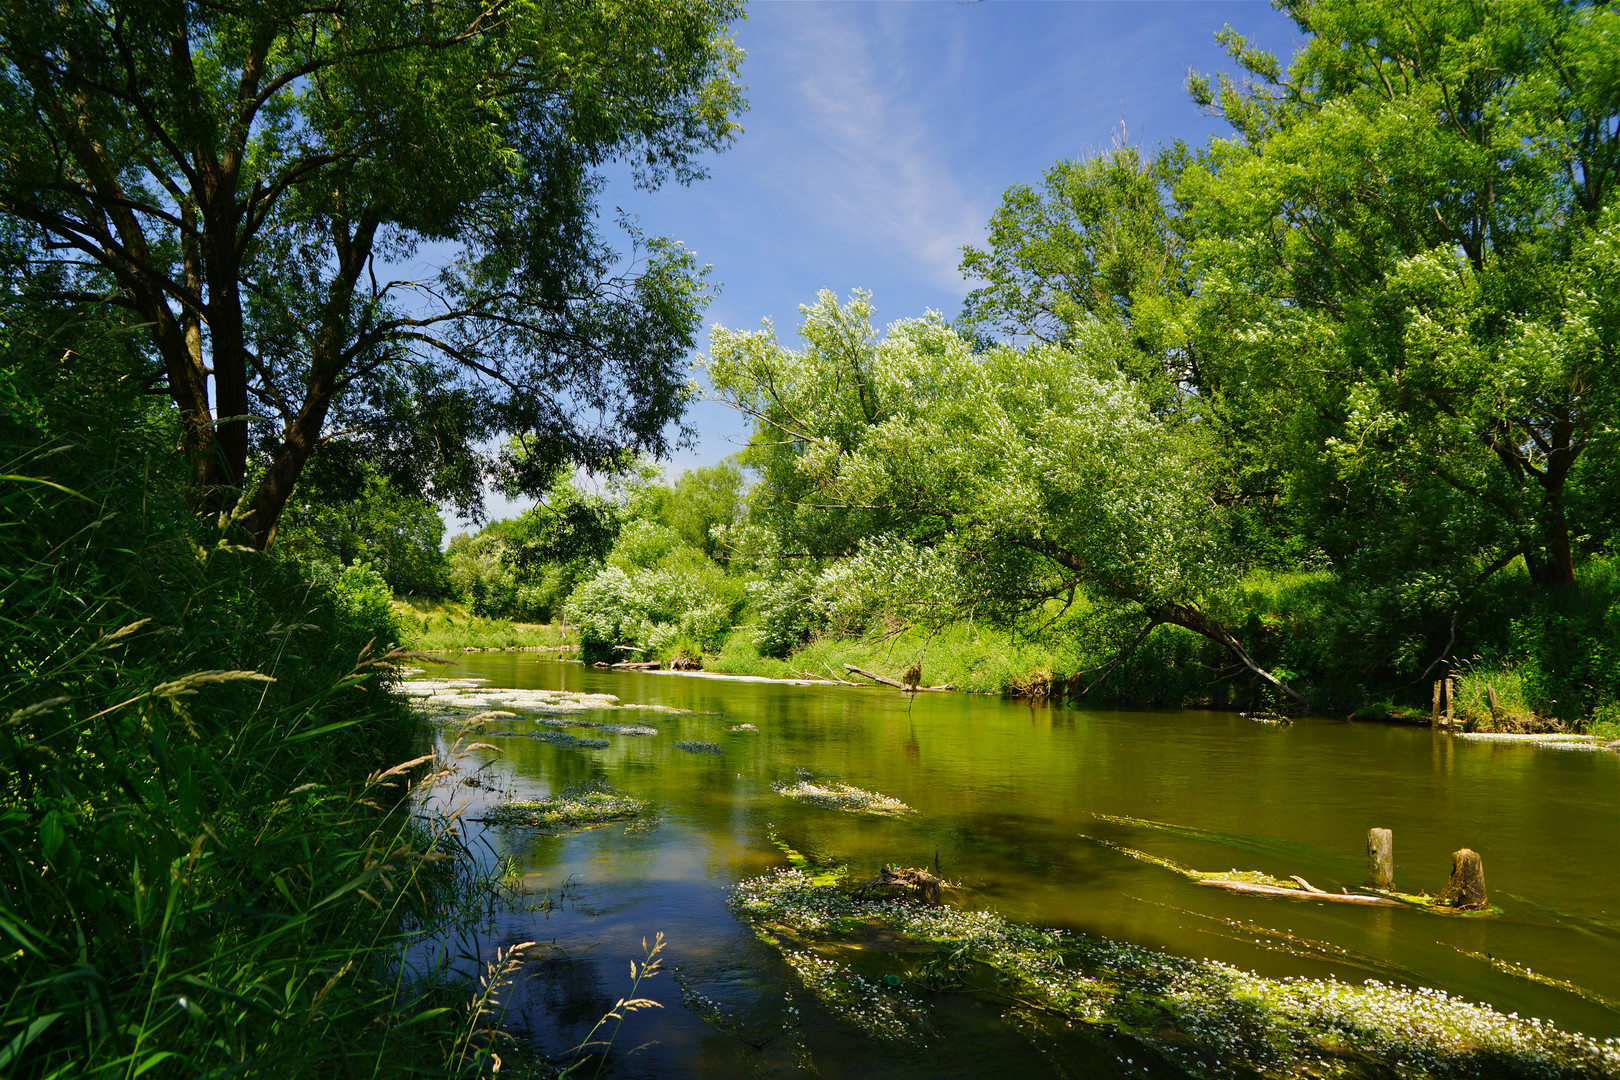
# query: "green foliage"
256, 162
653, 593
925, 480
204, 871
1409, 257
398, 534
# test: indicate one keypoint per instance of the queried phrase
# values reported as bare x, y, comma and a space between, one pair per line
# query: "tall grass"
207, 863
446, 625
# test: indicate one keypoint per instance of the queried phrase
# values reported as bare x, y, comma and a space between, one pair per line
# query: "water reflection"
1002, 793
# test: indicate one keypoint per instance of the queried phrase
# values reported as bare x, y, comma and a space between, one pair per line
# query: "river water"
1010, 800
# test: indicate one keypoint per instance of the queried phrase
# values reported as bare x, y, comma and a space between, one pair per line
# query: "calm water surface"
1005, 795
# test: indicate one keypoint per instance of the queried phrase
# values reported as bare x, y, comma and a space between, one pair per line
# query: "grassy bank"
209, 864
448, 625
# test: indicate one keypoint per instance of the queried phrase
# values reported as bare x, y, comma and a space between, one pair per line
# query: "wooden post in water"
1466, 889
1381, 859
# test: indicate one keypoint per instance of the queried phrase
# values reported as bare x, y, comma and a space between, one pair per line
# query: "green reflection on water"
1001, 791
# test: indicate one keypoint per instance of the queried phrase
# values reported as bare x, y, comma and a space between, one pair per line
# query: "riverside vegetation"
1307, 418
209, 862
1312, 416
209, 867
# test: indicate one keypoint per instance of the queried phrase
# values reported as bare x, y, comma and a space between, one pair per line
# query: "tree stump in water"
1466, 889
919, 884
1381, 860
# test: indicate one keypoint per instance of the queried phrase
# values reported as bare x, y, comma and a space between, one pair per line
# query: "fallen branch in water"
896, 683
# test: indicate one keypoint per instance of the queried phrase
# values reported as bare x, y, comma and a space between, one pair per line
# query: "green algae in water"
593, 803
1206, 1018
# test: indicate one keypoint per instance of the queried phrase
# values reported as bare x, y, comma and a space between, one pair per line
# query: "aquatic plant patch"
1206, 1018
571, 742
445, 698
591, 803
693, 747
1550, 742
840, 796
477, 694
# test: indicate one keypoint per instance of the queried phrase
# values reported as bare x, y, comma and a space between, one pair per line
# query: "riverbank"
205, 797
1168, 669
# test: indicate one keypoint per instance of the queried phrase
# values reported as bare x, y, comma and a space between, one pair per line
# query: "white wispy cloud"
870, 160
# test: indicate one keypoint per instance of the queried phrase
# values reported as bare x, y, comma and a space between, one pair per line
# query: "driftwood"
919, 884
1297, 894
831, 680
637, 665
896, 683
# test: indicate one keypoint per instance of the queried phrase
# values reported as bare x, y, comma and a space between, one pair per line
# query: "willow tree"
1018, 475
366, 230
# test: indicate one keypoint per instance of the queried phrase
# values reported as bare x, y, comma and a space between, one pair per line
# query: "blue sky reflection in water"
1002, 791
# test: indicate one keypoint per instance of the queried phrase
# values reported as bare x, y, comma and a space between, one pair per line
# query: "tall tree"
1410, 246
268, 186
988, 481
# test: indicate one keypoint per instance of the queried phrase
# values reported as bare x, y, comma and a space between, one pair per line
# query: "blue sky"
880, 136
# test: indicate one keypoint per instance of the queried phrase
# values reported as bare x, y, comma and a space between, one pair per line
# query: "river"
1011, 800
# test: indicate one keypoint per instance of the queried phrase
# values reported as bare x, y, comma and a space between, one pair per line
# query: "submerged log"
1254, 889
896, 683
1381, 860
1466, 889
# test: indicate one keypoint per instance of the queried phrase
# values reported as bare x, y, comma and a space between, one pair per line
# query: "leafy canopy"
367, 231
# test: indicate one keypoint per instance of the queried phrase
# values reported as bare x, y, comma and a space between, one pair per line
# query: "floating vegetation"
1256, 845
1519, 971
477, 694
744, 728
590, 803
841, 796
1207, 1018
1551, 742
638, 730
571, 742
879, 1008
699, 747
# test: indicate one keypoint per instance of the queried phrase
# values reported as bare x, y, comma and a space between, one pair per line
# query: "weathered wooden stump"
1466, 889
904, 881
1381, 860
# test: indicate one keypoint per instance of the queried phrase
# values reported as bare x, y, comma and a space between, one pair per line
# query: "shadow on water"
1001, 793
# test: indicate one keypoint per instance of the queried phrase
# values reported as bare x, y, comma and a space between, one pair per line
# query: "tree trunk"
1381, 860
1199, 623
1466, 889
